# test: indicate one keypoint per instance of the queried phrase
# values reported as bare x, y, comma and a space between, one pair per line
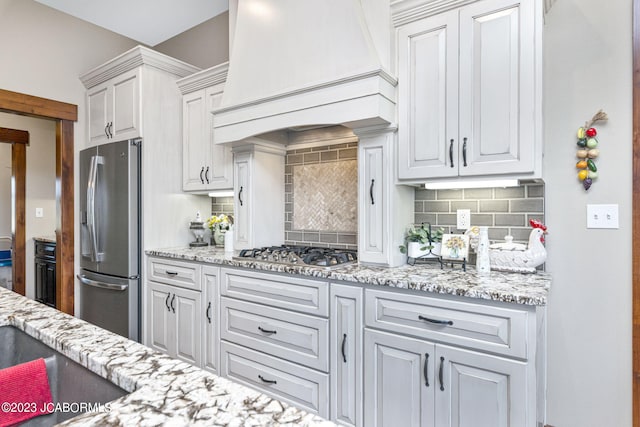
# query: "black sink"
70, 382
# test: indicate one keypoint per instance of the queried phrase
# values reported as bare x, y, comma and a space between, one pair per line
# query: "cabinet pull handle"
267, 331
426, 369
206, 175
267, 381
166, 302
451, 152
171, 273
111, 129
173, 299
436, 321
371, 192
344, 342
240, 196
441, 373
106, 130
464, 152
209, 312
201, 172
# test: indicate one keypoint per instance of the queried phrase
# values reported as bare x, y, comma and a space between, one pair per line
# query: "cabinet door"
480, 390
186, 305
211, 351
126, 106
99, 104
160, 321
220, 175
40, 278
428, 97
195, 141
497, 103
346, 355
242, 203
50, 284
398, 377
374, 229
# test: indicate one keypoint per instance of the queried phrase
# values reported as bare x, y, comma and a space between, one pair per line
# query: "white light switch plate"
39, 212
602, 216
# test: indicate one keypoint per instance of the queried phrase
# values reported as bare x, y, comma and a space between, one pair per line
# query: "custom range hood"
299, 64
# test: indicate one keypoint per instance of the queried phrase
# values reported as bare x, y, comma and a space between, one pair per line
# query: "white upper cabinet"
114, 108
469, 100
205, 165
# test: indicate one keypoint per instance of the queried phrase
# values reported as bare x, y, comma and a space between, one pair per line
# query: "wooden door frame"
635, 234
64, 115
18, 139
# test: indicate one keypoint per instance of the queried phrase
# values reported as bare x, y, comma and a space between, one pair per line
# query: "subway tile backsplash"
504, 210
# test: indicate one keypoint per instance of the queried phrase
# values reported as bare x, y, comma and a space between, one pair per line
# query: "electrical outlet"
602, 216
39, 212
463, 219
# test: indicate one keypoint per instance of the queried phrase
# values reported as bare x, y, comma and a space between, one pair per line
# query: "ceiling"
149, 22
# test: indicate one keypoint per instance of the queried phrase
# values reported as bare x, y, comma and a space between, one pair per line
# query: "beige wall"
40, 182
204, 46
588, 67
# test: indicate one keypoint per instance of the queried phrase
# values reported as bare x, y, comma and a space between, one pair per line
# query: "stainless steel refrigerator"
110, 237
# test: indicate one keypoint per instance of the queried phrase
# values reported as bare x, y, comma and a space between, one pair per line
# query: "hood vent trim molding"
362, 100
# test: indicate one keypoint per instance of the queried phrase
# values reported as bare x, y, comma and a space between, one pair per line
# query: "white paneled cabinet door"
428, 90
211, 349
346, 355
398, 380
497, 102
187, 308
480, 390
160, 322
126, 106
195, 146
221, 158
242, 204
99, 107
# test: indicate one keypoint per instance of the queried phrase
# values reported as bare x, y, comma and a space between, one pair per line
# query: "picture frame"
455, 247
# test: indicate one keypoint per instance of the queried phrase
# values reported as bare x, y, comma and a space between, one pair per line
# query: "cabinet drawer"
475, 325
177, 273
300, 386
296, 337
306, 296
45, 250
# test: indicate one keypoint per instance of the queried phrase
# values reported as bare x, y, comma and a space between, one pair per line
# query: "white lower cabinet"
346, 354
174, 321
429, 379
357, 356
211, 330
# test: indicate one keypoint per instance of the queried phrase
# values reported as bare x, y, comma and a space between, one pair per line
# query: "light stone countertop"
46, 239
164, 391
528, 289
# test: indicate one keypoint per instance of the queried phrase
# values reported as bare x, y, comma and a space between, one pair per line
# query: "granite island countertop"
164, 391
45, 239
528, 289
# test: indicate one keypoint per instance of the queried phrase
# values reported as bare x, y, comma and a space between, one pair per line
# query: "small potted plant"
219, 225
422, 241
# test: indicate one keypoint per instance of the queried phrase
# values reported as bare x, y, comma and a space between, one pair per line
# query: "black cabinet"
45, 272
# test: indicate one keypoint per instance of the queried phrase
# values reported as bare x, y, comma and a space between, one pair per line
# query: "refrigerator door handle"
92, 185
110, 286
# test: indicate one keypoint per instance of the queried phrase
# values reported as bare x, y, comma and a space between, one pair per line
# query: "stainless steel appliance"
311, 256
110, 237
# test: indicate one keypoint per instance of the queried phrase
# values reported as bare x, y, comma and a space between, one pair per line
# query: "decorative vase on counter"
483, 264
217, 237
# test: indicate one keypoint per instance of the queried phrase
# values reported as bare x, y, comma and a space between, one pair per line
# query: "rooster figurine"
519, 258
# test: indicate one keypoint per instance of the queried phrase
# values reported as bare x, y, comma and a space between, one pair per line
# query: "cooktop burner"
301, 255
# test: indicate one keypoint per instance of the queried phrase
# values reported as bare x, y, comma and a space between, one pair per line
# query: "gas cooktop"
327, 258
